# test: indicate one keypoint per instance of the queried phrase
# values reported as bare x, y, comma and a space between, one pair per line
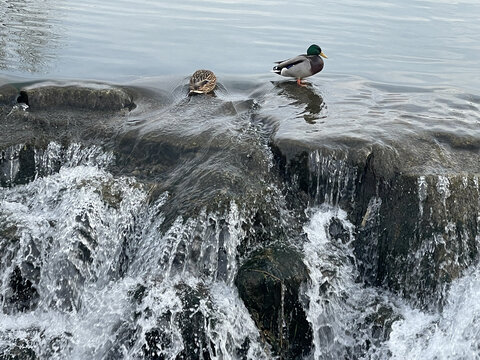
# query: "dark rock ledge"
417, 225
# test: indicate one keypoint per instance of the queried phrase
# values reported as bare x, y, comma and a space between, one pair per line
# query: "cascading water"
88, 273
452, 334
336, 220
354, 321
348, 319
186, 237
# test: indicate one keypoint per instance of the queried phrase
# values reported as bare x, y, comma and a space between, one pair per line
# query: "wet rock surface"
416, 230
65, 115
8, 94
415, 206
269, 284
96, 97
399, 207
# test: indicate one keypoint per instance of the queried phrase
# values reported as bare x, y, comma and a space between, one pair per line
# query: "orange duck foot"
299, 82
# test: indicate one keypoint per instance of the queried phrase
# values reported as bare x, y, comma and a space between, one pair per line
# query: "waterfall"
88, 272
352, 320
349, 320
91, 268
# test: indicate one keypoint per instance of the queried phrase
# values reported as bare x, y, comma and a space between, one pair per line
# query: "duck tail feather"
276, 70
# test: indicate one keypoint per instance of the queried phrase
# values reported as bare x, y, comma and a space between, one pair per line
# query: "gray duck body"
300, 67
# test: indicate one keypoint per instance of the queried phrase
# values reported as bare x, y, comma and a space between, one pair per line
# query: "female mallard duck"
302, 66
202, 82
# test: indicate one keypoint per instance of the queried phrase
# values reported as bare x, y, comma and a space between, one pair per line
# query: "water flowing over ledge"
160, 226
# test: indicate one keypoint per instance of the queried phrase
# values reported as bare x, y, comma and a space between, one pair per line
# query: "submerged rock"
416, 229
95, 97
270, 283
8, 94
21, 295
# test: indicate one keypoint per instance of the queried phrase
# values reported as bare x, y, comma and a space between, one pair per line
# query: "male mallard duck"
202, 82
302, 66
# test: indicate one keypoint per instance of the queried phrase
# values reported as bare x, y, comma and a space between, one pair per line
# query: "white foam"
453, 333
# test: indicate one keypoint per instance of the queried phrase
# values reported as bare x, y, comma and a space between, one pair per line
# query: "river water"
428, 43
121, 273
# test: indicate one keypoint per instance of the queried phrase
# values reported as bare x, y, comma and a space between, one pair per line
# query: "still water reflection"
310, 103
415, 42
29, 35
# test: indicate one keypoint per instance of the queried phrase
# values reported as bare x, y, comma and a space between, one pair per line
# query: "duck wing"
288, 63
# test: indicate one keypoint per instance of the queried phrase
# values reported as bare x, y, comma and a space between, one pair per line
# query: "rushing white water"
108, 283
341, 309
101, 277
69, 228
343, 312
452, 334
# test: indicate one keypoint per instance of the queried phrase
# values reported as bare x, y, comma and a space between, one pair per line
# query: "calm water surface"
414, 42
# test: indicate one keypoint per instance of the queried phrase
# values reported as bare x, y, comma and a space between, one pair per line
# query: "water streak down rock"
416, 231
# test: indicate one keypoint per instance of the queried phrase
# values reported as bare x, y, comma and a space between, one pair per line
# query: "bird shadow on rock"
309, 103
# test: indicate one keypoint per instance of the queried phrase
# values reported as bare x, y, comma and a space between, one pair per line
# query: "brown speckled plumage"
202, 82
